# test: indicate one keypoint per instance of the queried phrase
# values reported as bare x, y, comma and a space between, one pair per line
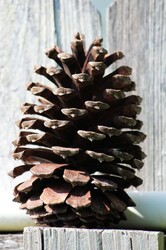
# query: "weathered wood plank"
91, 239
138, 28
133, 240
76, 16
11, 241
26, 29
33, 239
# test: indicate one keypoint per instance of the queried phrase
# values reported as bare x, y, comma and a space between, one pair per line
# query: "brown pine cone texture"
79, 143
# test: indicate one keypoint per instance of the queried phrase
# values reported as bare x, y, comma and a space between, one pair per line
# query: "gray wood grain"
11, 241
26, 29
91, 239
33, 238
138, 28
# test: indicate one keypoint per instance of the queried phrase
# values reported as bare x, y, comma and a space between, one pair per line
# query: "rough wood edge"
40, 238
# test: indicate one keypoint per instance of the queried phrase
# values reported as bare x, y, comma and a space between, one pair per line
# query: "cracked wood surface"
91, 239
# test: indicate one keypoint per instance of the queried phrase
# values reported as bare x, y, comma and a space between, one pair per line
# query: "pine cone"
80, 142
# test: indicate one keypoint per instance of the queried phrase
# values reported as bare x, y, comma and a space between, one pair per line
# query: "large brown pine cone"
80, 142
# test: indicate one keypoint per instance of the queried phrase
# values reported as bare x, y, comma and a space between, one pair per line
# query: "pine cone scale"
80, 141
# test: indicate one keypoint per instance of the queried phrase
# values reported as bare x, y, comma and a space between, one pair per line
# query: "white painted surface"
149, 213
12, 219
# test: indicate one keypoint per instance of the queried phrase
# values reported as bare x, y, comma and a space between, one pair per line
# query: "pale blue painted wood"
102, 7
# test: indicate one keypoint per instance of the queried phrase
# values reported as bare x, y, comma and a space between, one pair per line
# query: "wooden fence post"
38, 238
